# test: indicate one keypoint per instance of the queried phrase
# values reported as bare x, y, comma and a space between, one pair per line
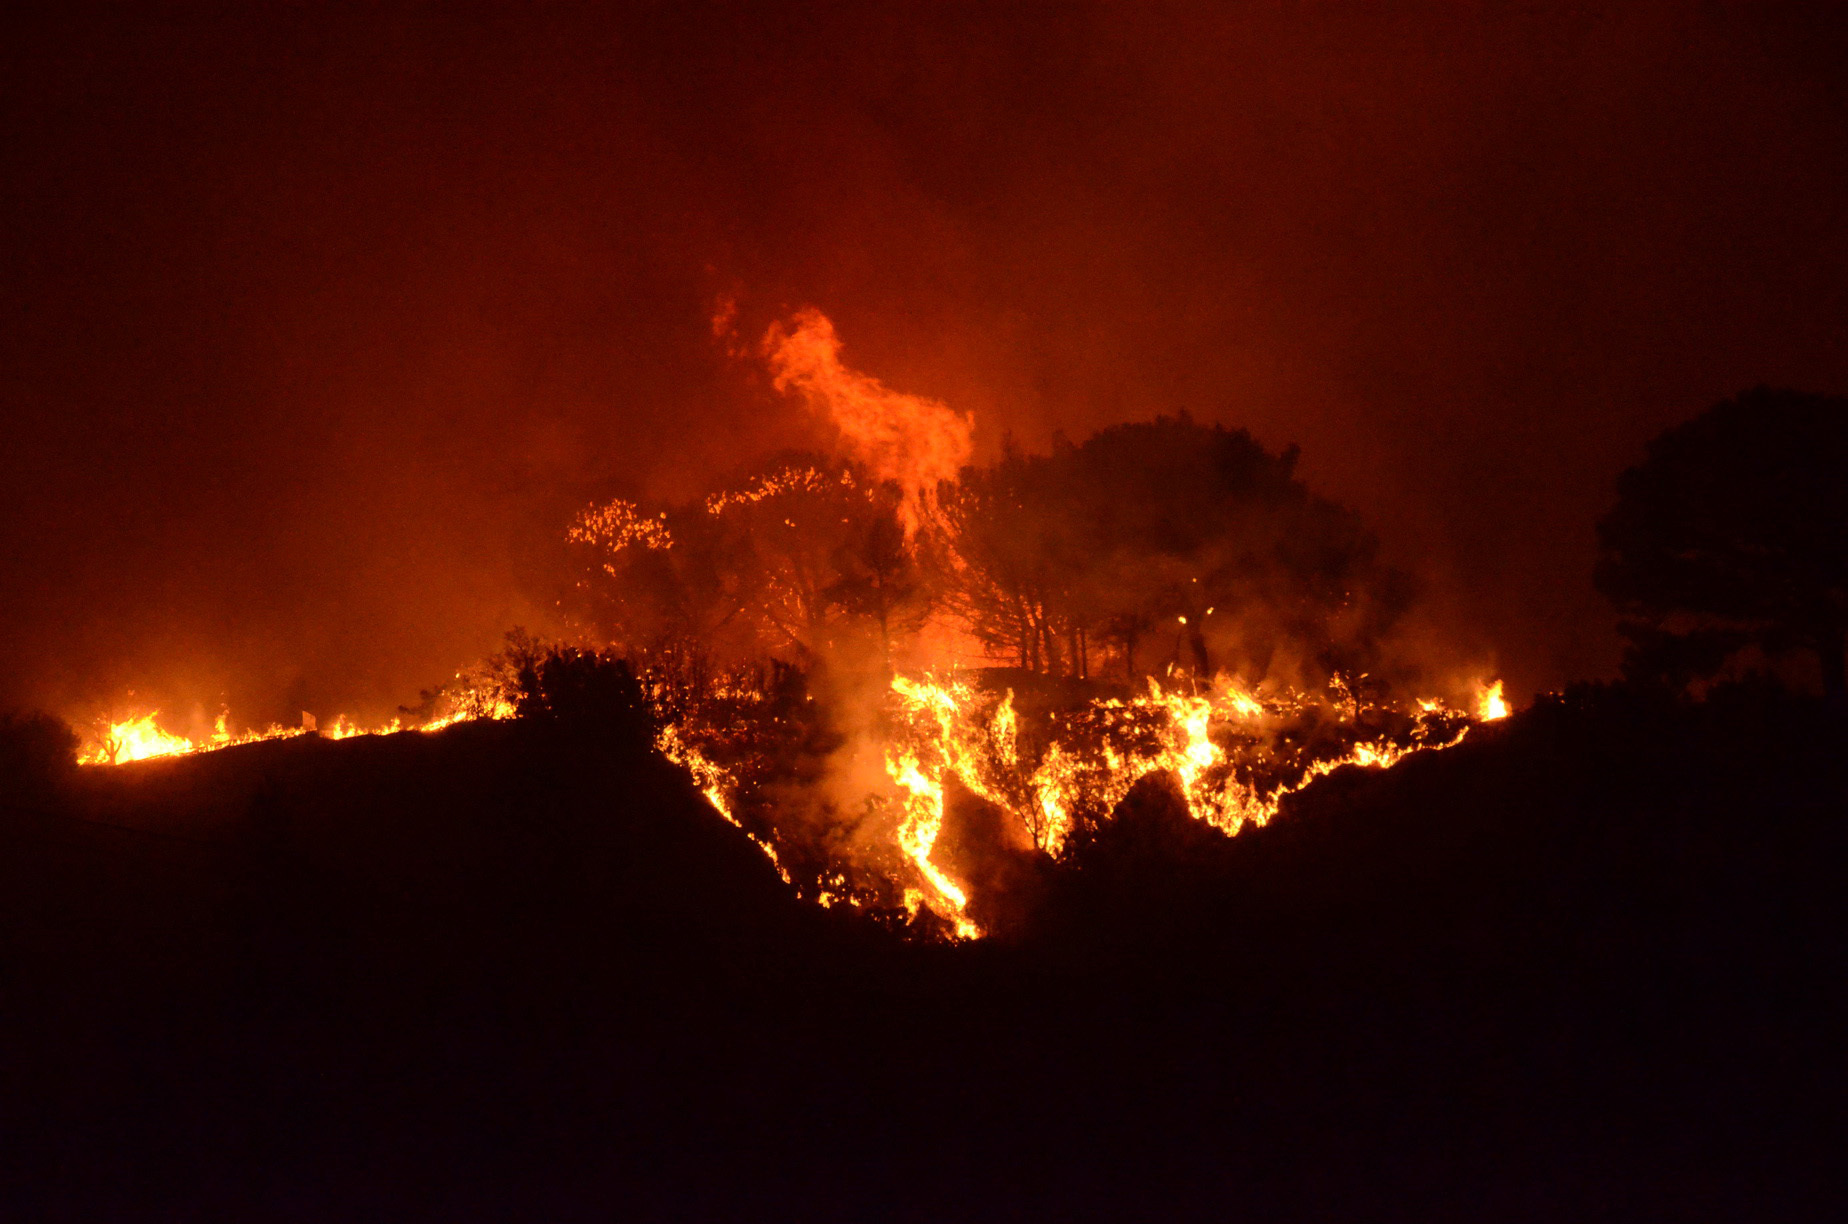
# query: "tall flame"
1490, 704
912, 440
138, 738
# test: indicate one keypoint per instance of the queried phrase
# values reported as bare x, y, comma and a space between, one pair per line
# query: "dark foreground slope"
1587, 966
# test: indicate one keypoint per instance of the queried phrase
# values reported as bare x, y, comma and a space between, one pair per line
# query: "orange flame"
141, 738
911, 440
133, 739
1179, 733
716, 785
1490, 705
619, 524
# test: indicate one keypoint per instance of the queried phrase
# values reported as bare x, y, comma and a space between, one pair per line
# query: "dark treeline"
1147, 547
1728, 546
1165, 543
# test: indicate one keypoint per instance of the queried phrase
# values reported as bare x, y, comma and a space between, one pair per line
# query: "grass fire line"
1234, 754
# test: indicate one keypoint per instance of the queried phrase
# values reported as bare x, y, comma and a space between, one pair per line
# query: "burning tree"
766, 620
796, 564
672, 592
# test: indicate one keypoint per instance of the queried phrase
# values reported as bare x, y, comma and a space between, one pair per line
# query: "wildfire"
1234, 753
867, 572
777, 484
717, 785
1209, 742
141, 738
618, 524
134, 739
917, 837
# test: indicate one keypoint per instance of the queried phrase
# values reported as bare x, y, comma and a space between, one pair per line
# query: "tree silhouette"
798, 560
800, 519
671, 585
37, 752
878, 576
1733, 532
1015, 526
1192, 539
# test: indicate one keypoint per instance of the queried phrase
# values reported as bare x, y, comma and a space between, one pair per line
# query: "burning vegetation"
490, 691
917, 683
957, 784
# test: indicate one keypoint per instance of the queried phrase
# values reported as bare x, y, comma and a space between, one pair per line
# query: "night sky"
318, 330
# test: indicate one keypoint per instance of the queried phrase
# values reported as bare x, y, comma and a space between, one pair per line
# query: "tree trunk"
1049, 637
1202, 660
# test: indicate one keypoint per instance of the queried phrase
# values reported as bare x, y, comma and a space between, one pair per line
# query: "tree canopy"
786, 564
1163, 543
1148, 547
1733, 533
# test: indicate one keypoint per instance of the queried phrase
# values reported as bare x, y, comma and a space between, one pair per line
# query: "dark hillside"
1587, 966
1592, 962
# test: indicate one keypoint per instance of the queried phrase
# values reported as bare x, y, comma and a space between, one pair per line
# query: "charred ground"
1587, 964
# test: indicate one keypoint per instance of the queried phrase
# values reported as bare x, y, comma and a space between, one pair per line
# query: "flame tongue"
911, 440
917, 837
1490, 705
134, 739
